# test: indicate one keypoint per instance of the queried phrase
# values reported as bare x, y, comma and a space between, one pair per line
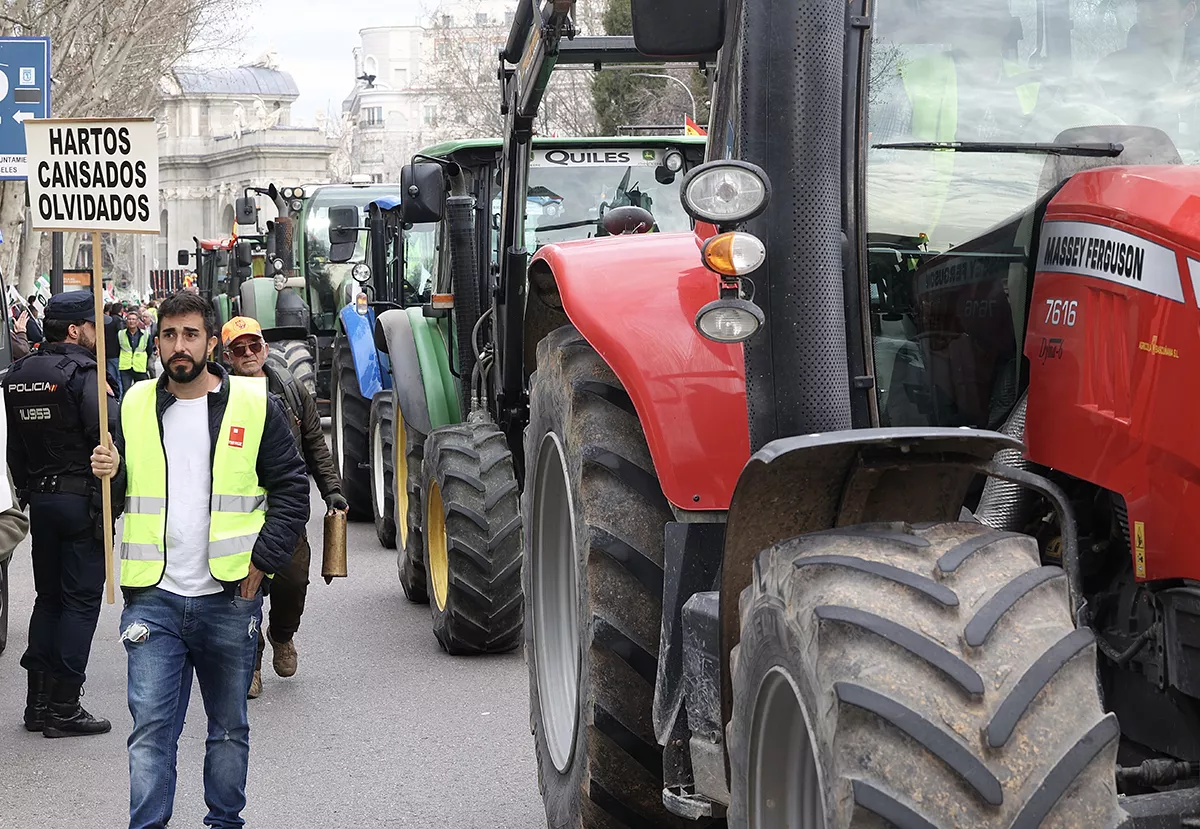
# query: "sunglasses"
240, 349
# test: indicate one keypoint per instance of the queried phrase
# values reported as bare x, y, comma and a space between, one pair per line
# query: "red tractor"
868, 502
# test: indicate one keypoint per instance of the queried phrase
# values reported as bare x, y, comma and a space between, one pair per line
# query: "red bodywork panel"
634, 299
1113, 397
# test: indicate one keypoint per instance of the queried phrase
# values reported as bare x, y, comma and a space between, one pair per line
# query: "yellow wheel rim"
400, 473
435, 545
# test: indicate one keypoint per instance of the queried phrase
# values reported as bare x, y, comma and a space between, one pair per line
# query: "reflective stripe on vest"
133, 359
237, 499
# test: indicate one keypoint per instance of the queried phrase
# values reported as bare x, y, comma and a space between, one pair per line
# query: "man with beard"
134, 343
216, 497
54, 422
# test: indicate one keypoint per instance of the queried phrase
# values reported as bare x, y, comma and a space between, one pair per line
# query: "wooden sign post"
95, 175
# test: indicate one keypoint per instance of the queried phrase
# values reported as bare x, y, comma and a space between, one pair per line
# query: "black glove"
337, 502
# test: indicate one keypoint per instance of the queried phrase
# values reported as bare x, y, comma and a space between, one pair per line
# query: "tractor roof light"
287, 192
733, 254
297, 192
729, 320
725, 192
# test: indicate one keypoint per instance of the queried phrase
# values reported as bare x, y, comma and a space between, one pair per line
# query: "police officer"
53, 426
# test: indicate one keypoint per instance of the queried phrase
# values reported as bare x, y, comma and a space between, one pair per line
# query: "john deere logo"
648, 155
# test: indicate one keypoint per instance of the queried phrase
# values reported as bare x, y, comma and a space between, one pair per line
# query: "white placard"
93, 174
596, 157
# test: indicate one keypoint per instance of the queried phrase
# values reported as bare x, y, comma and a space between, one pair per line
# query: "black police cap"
71, 306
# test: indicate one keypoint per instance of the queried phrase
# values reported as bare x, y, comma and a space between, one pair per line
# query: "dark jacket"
306, 429
280, 472
28, 454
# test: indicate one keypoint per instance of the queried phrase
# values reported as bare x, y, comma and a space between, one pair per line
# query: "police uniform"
53, 426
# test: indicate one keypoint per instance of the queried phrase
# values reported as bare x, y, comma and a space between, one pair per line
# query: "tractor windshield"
327, 281
977, 110
570, 188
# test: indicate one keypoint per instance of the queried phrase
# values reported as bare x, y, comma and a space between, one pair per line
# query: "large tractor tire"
472, 521
594, 516
409, 458
923, 678
350, 427
296, 357
382, 473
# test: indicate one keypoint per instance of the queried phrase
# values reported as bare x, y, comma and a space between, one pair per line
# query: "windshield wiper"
1097, 150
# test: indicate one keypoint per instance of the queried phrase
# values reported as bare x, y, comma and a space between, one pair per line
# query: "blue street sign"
24, 93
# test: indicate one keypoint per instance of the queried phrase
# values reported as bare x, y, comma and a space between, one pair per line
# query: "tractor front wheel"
350, 427
472, 538
296, 358
408, 453
594, 520
382, 474
932, 677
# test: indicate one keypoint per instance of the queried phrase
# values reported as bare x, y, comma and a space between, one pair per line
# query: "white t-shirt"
189, 494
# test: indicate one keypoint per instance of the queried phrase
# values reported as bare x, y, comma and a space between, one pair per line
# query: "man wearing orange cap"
246, 355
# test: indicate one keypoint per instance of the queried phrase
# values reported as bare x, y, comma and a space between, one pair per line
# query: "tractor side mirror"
629, 219
343, 232
423, 191
678, 28
243, 260
185, 257
245, 211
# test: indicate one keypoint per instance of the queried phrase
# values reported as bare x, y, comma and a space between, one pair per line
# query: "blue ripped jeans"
167, 639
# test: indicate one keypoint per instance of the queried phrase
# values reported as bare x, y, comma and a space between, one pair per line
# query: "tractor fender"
420, 371
357, 330
635, 299
816, 483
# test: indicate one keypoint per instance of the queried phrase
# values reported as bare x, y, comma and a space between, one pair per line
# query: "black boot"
36, 700
65, 717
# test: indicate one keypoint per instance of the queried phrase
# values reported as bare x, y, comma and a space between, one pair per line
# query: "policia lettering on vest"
53, 425
216, 496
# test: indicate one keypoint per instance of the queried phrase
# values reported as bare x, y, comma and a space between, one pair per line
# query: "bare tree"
107, 58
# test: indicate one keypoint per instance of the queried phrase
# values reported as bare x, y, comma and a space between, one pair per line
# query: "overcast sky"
314, 42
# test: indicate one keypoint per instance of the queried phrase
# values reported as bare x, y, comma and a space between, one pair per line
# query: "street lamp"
670, 78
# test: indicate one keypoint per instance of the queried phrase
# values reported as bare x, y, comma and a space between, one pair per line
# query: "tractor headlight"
725, 192
286, 192
673, 162
280, 281
297, 192
729, 320
296, 205
361, 272
277, 265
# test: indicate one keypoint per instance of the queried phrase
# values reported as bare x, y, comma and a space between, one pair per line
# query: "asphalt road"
379, 727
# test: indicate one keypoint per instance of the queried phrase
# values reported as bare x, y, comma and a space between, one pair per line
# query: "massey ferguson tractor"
870, 500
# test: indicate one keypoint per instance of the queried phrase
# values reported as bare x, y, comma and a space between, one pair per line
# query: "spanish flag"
690, 127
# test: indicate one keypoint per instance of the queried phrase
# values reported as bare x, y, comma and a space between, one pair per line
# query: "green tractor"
436, 354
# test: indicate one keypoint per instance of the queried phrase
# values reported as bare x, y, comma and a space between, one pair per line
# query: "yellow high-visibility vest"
133, 359
238, 501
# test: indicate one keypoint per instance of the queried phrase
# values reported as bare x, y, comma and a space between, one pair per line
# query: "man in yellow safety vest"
216, 497
135, 350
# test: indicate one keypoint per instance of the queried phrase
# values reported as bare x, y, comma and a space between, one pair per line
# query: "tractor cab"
976, 115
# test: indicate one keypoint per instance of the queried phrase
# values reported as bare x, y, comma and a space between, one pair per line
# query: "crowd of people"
208, 463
